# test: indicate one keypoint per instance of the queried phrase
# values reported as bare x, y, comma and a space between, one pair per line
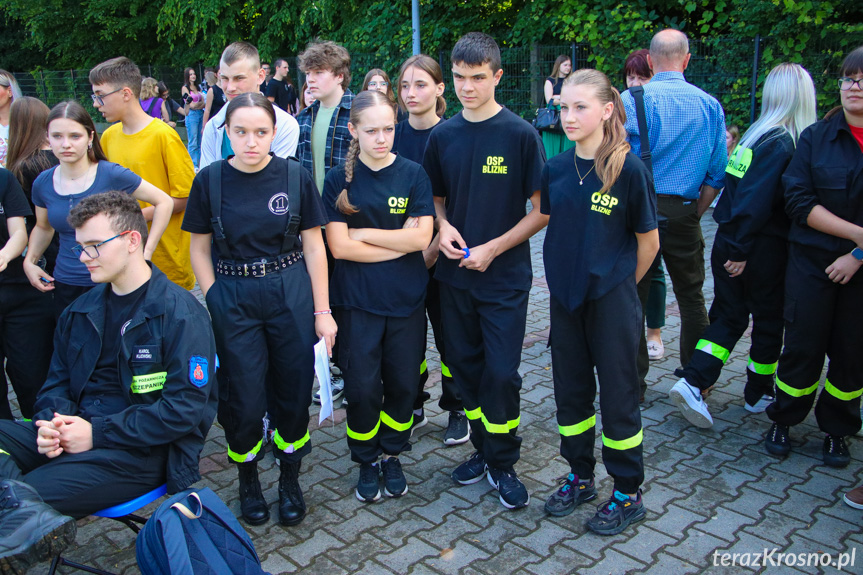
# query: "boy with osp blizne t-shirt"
485, 165
151, 149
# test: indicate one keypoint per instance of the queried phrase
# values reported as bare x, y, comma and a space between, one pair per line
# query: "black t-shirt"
385, 199
556, 85
486, 171
13, 204
103, 394
590, 244
219, 100
283, 95
411, 143
255, 207
44, 160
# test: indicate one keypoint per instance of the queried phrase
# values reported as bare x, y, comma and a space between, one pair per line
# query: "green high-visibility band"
623, 444
245, 457
713, 349
149, 382
473, 413
287, 446
393, 424
794, 392
444, 370
739, 161
424, 367
363, 436
5, 452
500, 427
762, 368
578, 428
841, 395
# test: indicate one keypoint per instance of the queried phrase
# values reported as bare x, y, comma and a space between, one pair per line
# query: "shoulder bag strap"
291, 241
216, 210
638, 95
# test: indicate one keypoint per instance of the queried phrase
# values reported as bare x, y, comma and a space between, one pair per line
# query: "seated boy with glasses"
129, 398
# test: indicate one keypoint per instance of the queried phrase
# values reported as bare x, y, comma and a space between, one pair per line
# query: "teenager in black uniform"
824, 287
19, 303
749, 252
268, 297
485, 164
381, 218
601, 239
420, 90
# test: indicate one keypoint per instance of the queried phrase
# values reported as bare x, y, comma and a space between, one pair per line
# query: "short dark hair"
121, 209
239, 51
277, 62
853, 63
476, 49
326, 55
118, 72
636, 64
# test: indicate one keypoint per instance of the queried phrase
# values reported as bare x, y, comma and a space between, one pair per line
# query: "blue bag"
194, 533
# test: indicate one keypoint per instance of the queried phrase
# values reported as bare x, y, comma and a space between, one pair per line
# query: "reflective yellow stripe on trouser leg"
793, 391
245, 457
841, 395
762, 368
444, 370
393, 424
713, 349
288, 446
621, 444
578, 428
363, 436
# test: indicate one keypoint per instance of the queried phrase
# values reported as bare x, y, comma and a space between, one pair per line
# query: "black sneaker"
31, 531
512, 492
572, 493
338, 387
835, 451
395, 484
367, 487
471, 470
616, 514
457, 430
419, 420
777, 441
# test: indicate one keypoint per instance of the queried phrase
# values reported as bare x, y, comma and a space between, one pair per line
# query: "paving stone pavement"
706, 491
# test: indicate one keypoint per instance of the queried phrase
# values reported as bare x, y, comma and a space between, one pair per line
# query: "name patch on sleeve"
199, 375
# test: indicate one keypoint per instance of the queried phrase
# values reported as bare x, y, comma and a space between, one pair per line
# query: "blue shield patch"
199, 375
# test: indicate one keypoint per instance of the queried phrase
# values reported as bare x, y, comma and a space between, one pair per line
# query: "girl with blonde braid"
380, 219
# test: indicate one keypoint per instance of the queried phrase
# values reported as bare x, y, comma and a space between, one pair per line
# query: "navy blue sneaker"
777, 442
616, 514
471, 470
511, 491
367, 486
572, 493
395, 484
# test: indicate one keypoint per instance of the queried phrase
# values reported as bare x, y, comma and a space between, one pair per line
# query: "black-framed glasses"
93, 251
846, 84
378, 84
99, 98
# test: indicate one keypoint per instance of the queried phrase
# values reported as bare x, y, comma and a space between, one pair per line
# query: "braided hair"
362, 102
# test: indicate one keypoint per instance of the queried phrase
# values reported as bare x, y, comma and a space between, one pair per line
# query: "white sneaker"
690, 403
655, 350
760, 405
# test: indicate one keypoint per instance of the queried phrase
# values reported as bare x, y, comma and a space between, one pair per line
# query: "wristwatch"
858, 254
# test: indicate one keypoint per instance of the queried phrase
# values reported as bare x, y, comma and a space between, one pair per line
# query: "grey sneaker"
572, 493
457, 430
688, 399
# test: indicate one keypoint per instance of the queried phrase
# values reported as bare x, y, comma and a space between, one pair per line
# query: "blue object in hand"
466, 252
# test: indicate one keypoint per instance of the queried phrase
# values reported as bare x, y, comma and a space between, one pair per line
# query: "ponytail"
614, 147
343, 204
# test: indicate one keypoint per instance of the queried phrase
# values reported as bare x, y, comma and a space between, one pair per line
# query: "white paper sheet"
322, 370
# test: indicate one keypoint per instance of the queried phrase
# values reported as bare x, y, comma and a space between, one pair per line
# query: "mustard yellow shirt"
157, 154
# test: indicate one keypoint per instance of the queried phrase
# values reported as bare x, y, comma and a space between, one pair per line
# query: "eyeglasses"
378, 84
99, 99
845, 84
93, 251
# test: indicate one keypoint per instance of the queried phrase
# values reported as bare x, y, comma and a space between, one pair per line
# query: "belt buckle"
246, 270
263, 267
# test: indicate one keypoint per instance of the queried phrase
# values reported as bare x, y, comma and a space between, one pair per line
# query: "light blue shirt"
686, 127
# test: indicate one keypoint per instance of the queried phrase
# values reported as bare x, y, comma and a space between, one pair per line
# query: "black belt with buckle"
258, 268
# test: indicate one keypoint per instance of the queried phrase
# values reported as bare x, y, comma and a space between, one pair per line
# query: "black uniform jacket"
827, 170
167, 366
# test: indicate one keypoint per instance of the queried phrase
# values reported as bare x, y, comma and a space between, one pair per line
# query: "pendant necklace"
580, 178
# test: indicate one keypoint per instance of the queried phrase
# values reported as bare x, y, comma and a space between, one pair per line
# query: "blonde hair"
149, 88
614, 147
362, 102
787, 105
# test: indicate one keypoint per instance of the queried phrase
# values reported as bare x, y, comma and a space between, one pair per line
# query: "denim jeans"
194, 128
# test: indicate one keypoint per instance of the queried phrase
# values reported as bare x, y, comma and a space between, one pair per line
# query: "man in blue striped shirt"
686, 128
